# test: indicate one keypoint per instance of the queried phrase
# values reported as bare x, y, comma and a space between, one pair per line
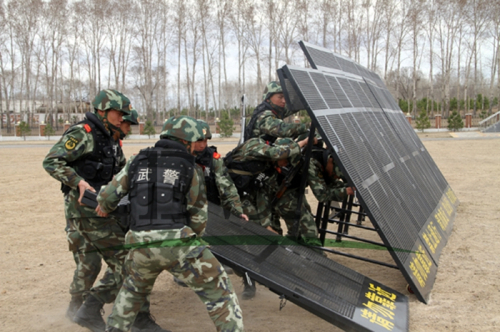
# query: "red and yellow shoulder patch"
216, 155
87, 128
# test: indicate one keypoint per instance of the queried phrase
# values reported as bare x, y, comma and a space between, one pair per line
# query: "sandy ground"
36, 266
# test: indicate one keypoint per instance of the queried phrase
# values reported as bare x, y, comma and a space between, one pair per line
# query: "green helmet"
133, 117
206, 129
272, 88
182, 127
294, 158
112, 100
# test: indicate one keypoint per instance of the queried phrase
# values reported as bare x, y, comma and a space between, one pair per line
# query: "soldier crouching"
168, 216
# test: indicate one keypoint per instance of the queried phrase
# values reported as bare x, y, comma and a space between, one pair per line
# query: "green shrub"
49, 131
422, 121
24, 129
149, 129
226, 124
455, 122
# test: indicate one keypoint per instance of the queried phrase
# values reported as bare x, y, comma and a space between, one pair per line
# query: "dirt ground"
36, 266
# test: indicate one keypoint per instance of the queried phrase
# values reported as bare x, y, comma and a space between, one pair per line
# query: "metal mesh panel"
293, 267
293, 101
310, 92
310, 280
398, 182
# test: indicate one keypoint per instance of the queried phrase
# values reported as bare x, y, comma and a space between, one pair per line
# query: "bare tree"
253, 33
92, 15
391, 13
25, 21
449, 19
223, 12
180, 22
191, 40
148, 29
495, 14
478, 20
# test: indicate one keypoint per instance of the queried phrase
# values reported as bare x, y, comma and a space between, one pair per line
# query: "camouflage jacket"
111, 194
229, 197
257, 149
335, 191
268, 123
73, 145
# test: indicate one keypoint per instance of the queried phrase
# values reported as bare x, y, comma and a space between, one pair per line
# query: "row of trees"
204, 54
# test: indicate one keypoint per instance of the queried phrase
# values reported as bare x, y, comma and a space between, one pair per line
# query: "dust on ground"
36, 266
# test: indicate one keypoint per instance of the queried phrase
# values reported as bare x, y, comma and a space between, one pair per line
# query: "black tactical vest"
160, 178
98, 167
248, 176
264, 106
205, 159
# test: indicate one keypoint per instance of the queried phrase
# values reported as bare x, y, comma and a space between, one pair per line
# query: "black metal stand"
349, 214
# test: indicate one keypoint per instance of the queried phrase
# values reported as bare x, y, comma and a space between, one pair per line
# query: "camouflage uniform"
324, 191
190, 260
87, 260
133, 118
226, 190
267, 119
323, 188
257, 202
93, 235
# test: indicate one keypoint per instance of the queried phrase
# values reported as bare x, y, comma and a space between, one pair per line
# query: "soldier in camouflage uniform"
128, 121
174, 212
72, 161
325, 178
267, 123
87, 157
267, 118
253, 167
220, 187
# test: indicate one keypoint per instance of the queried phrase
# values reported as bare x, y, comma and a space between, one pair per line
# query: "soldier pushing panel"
168, 203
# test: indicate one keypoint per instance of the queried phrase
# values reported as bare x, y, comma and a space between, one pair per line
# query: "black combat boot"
145, 322
249, 290
74, 305
89, 315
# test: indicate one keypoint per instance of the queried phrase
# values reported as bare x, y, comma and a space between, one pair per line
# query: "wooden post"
141, 128
468, 120
42, 128
438, 121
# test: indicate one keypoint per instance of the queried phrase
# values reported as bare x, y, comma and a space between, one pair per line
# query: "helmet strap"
278, 109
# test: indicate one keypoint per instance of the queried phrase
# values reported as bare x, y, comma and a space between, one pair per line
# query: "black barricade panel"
327, 289
397, 182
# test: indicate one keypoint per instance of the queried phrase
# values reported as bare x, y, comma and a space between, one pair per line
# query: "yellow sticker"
71, 143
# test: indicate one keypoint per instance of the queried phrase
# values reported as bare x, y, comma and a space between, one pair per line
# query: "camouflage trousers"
257, 206
192, 263
88, 261
106, 238
286, 208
